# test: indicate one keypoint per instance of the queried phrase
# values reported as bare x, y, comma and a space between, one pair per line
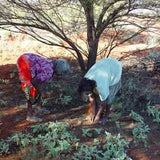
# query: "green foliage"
52, 85
118, 125
20, 139
86, 152
69, 89
1, 94
52, 138
134, 92
87, 132
62, 98
136, 117
141, 130
90, 132
140, 133
129, 91
65, 100
11, 144
54, 141
5, 81
117, 103
112, 148
3, 103
33, 154
98, 130
37, 129
44, 102
4, 147
118, 109
154, 112
13, 74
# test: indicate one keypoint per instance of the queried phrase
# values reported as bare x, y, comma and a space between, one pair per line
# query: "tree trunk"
93, 47
81, 61
92, 39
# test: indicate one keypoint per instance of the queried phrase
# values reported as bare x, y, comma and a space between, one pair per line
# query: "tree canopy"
58, 22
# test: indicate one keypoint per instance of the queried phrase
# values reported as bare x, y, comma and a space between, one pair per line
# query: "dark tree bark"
92, 38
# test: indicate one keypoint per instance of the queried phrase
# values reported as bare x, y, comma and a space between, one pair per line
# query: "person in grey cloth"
34, 71
102, 80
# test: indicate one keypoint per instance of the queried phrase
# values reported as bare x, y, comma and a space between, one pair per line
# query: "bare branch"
54, 22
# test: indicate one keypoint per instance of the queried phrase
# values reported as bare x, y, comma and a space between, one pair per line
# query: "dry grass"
13, 45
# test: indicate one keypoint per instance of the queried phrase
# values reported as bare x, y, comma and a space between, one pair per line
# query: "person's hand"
92, 117
97, 119
100, 110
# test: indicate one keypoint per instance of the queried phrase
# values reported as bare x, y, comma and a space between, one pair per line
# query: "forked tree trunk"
92, 39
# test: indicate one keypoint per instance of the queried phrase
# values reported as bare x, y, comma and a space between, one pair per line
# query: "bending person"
33, 71
102, 80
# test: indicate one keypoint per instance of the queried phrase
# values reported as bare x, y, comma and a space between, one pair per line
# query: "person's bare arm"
101, 108
92, 99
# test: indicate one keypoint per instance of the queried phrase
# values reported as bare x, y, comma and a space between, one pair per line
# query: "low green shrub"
154, 112
91, 132
140, 131
4, 147
135, 116
113, 148
51, 137
55, 141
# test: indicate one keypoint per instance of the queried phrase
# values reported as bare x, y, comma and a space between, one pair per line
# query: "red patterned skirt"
25, 77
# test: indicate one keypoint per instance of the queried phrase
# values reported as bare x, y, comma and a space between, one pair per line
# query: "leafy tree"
77, 25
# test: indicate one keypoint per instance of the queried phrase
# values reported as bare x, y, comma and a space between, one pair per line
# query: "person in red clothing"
33, 71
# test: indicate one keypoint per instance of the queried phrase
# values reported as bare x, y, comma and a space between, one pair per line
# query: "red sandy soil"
13, 119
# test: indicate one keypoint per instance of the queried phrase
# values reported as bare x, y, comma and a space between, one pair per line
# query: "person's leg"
40, 97
33, 98
113, 91
106, 114
31, 114
29, 109
23, 65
